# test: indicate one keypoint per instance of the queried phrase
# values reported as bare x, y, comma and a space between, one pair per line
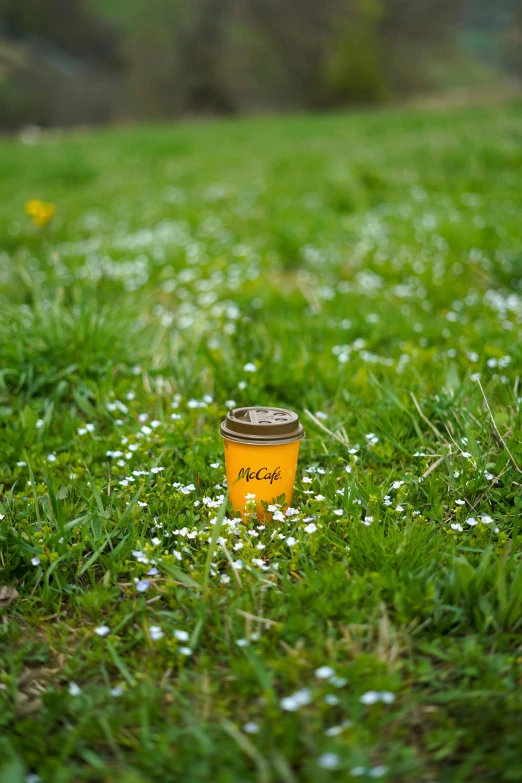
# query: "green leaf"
452, 380
180, 576
84, 405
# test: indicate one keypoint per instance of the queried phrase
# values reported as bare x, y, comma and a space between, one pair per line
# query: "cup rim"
257, 442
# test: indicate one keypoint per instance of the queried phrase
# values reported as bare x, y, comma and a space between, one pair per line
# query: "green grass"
371, 267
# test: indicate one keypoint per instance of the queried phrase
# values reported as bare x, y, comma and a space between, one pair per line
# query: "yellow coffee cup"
261, 451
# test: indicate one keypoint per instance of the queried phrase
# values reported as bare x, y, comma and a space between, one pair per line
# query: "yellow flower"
39, 211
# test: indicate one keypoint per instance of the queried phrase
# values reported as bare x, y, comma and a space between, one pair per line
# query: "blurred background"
75, 62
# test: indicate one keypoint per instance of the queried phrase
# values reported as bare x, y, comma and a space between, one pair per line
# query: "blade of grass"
196, 633
94, 557
99, 502
516, 521
213, 541
35, 496
75, 522
119, 663
263, 770
55, 503
129, 509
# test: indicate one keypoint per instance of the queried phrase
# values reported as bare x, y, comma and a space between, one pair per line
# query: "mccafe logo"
263, 474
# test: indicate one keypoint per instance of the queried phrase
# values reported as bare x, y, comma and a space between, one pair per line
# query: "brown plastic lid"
262, 426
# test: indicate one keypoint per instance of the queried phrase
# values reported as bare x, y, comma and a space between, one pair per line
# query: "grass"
370, 267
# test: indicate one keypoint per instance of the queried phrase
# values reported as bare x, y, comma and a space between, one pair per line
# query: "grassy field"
370, 267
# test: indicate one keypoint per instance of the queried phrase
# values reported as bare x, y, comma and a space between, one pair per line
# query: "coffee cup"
261, 447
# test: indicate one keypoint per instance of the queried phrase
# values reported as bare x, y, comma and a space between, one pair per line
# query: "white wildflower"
378, 772
324, 672
370, 697
296, 700
331, 699
329, 761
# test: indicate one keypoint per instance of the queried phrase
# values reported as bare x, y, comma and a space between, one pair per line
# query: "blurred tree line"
74, 61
